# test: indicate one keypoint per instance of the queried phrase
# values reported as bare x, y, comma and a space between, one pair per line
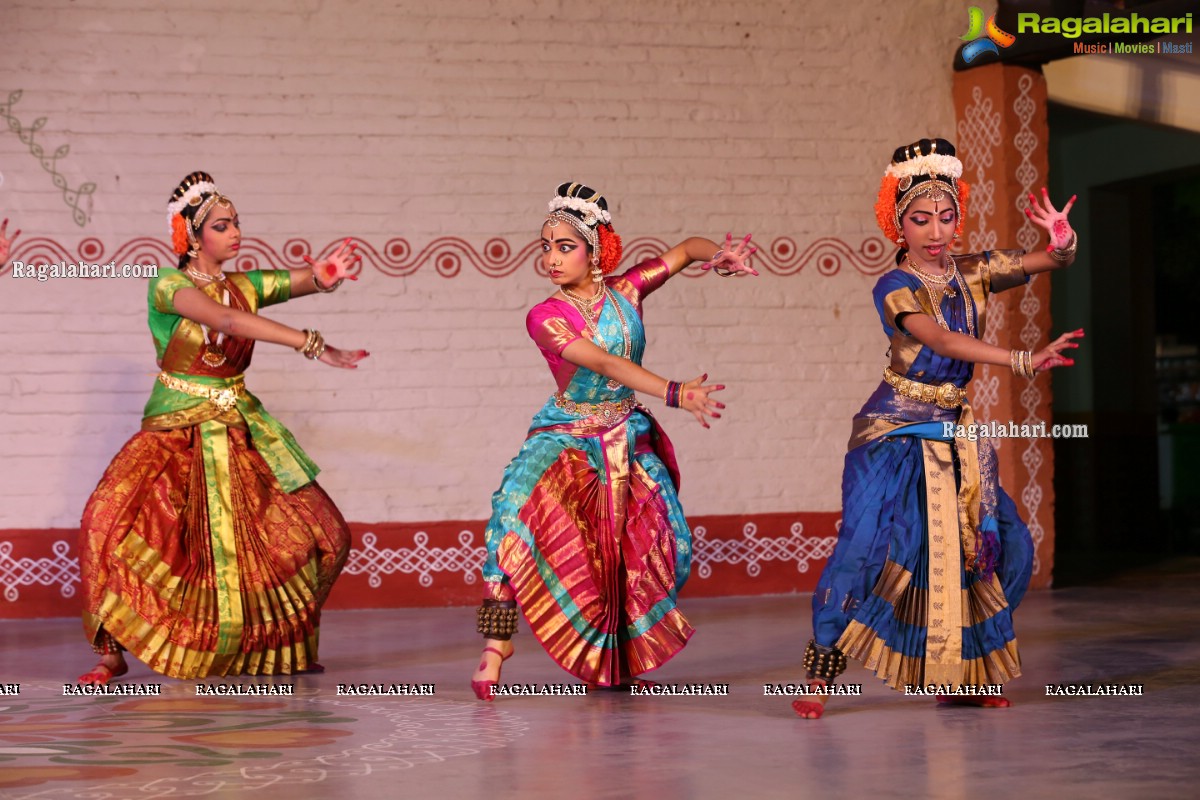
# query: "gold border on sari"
215, 444
943, 638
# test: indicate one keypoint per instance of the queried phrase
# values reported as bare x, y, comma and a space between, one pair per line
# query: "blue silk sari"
932, 557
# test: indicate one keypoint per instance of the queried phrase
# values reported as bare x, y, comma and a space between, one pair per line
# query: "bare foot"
111, 665
495, 653
978, 701
813, 705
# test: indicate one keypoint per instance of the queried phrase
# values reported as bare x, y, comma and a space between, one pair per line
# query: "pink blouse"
554, 323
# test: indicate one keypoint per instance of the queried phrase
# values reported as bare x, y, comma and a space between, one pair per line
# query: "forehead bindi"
928, 207
557, 235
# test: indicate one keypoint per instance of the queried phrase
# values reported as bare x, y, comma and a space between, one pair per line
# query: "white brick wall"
418, 120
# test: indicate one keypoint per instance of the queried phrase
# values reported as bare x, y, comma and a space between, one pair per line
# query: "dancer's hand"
1043, 214
330, 270
694, 397
6, 241
733, 259
345, 359
1051, 355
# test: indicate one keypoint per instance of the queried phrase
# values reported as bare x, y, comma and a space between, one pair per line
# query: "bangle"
309, 338
1062, 254
318, 349
724, 272
314, 344
1021, 362
325, 289
673, 393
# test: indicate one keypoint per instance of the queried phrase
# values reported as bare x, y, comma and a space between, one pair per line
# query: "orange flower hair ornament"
610, 248
179, 237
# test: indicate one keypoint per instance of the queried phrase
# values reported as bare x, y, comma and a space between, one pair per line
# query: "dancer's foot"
813, 706
313, 668
112, 665
978, 701
495, 653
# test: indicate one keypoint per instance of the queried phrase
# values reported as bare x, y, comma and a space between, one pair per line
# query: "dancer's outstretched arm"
734, 257
694, 396
199, 307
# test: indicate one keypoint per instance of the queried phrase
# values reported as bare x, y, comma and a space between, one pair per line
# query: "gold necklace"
198, 275
626, 339
213, 354
587, 309
945, 283
937, 280
591, 319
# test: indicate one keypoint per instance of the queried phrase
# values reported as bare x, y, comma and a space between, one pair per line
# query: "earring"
901, 241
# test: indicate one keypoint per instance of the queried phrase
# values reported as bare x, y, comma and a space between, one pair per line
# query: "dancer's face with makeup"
565, 257
221, 233
928, 228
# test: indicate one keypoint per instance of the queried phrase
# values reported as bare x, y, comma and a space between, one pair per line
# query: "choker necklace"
198, 275
944, 278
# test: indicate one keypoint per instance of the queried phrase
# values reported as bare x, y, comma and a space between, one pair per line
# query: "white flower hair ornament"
592, 213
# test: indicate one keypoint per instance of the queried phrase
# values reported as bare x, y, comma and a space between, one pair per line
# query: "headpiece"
190, 204
586, 211
926, 168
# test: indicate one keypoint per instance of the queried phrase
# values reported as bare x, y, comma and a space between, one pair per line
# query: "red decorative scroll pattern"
447, 255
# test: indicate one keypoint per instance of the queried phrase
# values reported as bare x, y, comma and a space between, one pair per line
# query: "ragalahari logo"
976, 28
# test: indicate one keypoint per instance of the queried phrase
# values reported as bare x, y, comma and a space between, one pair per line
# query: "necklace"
936, 285
213, 354
591, 320
936, 280
586, 306
196, 274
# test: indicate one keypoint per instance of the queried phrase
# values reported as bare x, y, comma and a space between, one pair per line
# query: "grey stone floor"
1141, 629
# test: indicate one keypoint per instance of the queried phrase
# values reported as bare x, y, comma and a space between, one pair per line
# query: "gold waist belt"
945, 396
224, 398
608, 410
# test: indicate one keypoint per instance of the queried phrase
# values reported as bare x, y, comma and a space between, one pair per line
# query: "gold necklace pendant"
213, 356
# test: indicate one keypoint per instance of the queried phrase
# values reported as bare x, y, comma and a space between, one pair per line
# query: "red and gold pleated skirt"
198, 563
595, 561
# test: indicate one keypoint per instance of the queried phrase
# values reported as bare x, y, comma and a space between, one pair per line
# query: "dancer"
6, 241
587, 535
932, 557
208, 548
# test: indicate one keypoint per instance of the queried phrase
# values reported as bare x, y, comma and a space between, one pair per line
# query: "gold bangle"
317, 348
323, 289
308, 341
1061, 254
1021, 362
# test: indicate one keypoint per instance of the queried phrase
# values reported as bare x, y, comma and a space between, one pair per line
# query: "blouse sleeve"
272, 285
1002, 270
894, 298
162, 289
549, 329
648, 275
